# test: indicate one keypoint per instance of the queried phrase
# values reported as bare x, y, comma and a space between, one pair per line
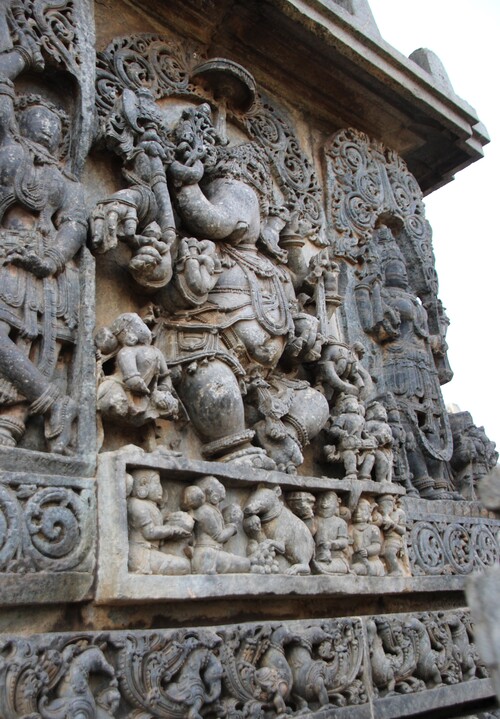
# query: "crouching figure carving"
281, 525
149, 529
140, 389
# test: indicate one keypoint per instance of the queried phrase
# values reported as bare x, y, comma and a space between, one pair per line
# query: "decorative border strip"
246, 670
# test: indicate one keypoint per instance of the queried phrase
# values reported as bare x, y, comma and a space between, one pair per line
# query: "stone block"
47, 538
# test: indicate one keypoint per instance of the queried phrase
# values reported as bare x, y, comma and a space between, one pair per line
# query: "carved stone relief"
215, 227
264, 669
43, 228
417, 653
439, 544
47, 530
268, 392
171, 518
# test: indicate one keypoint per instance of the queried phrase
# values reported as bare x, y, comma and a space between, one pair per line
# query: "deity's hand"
38, 266
198, 265
113, 219
166, 401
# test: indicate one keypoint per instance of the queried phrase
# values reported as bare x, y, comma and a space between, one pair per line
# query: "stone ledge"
455, 695
27, 460
45, 588
128, 588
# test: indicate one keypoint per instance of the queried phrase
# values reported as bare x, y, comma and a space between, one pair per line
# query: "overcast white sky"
465, 213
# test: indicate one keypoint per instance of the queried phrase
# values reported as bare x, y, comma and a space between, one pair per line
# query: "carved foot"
250, 457
59, 425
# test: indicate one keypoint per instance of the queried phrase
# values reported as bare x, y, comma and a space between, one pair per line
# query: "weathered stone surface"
47, 538
256, 669
232, 395
447, 538
44, 224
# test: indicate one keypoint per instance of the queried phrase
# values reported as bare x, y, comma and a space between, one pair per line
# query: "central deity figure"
228, 311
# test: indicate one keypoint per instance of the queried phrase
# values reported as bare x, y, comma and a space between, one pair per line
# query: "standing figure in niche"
331, 537
228, 307
149, 529
378, 428
211, 531
353, 446
391, 519
140, 388
474, 455
400, 443
43, 224
366, 542
395, 318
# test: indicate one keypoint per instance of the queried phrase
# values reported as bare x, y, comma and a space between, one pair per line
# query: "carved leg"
230, 563
393, 568
44, 396
212, 397
383, 466
18, 369
349, 458
366, 465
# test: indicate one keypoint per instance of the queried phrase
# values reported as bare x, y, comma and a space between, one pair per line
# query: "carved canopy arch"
367, 182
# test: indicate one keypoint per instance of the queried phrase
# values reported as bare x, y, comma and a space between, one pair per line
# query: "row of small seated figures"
306, 534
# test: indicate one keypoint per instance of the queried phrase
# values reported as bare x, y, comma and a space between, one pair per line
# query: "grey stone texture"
353, 667
229, 486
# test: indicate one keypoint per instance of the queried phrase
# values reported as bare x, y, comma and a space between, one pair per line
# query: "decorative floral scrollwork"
54, 25
427, 548
486, 550
56, 535
459, 550
142, 61
457, 547
296, 174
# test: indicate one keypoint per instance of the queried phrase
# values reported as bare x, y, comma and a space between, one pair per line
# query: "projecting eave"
337, 67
